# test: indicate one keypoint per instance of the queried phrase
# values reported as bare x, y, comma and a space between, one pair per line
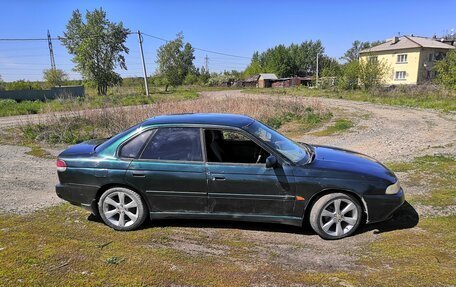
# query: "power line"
155, 37
148, 35
27, 39
200, 49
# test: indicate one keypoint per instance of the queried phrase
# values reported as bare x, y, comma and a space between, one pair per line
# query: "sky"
232, 27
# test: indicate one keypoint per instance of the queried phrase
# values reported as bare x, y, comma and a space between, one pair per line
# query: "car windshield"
282, 144
110, 140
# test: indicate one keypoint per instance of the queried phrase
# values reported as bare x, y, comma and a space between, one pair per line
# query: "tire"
335, 216
120, 203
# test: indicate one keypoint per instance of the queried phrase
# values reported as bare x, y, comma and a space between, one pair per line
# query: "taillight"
61, 165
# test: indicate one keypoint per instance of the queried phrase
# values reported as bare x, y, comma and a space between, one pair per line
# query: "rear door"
171, 171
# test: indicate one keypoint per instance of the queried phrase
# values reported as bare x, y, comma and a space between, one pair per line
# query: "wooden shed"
266, 80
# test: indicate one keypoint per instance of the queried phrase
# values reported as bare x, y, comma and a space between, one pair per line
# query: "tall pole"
143, 63
51, 51
316, 76
207, 66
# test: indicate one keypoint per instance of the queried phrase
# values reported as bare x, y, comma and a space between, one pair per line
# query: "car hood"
86, 148
336, 159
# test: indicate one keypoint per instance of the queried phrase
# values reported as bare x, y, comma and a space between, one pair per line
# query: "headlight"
394, 188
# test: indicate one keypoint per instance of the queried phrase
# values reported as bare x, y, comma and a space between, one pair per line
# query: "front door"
171, 172
240, 183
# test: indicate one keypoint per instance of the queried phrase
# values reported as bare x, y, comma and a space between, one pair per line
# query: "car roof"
233, 120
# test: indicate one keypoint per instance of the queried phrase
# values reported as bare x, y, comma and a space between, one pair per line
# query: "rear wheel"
335, 216
122, 209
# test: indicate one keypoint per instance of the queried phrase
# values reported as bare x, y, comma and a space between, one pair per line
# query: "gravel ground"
27, 182
384, 132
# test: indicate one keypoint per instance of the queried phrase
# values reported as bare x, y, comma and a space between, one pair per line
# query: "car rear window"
132, 148
113, 139
181, 144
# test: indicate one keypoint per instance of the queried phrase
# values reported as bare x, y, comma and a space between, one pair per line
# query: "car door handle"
136, 174
218, 178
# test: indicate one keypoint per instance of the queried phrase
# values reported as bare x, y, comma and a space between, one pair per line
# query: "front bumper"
382, 207
78, 194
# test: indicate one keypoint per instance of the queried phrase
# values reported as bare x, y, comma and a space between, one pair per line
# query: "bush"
372, 73
446, 70
350, 74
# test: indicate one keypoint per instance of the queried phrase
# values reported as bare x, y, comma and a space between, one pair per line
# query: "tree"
255, 66
372, 72
330, 67
98, 46
446, 70
349, 78
55, 77
175, 61
2, 84
352, 54
286, 61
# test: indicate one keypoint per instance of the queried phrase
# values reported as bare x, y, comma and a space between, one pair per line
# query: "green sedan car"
225, 167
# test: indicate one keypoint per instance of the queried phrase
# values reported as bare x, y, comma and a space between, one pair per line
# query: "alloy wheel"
338, 217
121, 209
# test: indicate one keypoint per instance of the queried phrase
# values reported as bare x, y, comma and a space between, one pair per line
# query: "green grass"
339, 126
308, 119
424, 256
435, 172
38, 151
404, 96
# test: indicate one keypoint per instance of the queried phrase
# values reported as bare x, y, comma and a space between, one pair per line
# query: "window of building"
431, 57
373, 59
402, 58
400, 75
182, 144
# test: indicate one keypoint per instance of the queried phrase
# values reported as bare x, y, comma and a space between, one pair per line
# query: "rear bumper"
382, 207
78, 194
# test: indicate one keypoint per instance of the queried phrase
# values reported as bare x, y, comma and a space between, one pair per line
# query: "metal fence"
42, 95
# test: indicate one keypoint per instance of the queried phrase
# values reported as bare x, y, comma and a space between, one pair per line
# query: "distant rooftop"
408, 42
268, 77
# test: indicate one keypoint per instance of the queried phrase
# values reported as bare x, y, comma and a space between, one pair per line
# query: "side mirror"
271, 161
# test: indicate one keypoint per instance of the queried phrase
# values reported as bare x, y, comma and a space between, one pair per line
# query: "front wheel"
122, 209
335, 216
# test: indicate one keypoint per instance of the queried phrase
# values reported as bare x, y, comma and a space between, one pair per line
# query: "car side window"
132, 148
232, 147
182, 144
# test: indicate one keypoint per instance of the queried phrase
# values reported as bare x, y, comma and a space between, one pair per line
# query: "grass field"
79, 126
415, 96
64, 246
339, 126
119, 96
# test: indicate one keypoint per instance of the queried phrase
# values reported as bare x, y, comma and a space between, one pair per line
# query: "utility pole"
143, 63
51, 51
207, 61
316, 77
